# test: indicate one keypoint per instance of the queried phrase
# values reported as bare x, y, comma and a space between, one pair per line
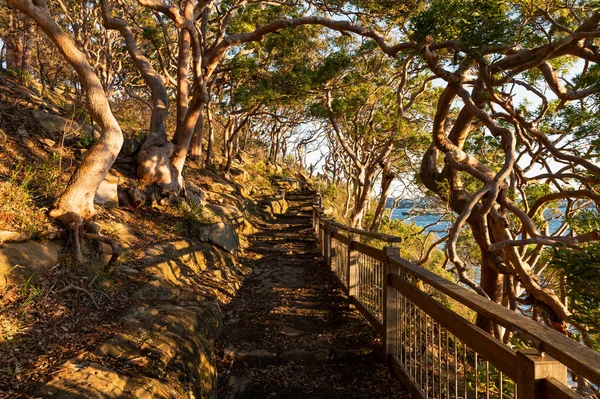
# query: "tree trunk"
183, 70
386, 182
154, 158
76, 204
27, 38
196, 146
211, 137
183, 135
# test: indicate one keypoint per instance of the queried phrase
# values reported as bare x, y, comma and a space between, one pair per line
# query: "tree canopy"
489, 106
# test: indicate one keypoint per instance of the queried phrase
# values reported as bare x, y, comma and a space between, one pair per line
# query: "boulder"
137, 197
19, 261
107, 195
240, 173
130, 147
57, 124
119, 230
221, 234
47, 142
227, 213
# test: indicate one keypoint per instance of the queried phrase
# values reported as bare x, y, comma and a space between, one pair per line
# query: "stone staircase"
301, 203
290, 332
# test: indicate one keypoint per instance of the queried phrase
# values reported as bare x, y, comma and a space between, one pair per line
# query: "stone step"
290, 197
297, 355
283, 239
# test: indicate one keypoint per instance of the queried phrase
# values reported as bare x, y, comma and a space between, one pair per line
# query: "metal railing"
435, 352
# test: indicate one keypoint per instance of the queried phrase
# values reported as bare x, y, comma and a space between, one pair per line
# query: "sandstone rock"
227, 213
119, 230
57, 124
197, 200
13, 236
130, 147
81, 380
239, 173
107, 195
121, 214
137, 197
221, 234
19, 261
48, 142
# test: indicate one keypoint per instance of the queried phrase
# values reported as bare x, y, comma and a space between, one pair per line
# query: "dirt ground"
290, 333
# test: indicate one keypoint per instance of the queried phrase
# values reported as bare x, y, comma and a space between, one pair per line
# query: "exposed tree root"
79, 233
71, 287
114, 245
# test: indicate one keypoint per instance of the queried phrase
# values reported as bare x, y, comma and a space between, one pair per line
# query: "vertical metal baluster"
370, 274
404, 328
447, 366
426, 358
465, 370
415, 310
433, 325
501, 387
410, 339
361, 266
421, 348
382, 282
371, 285
455, 368
440, 360
476, 376
397, 338
487, 380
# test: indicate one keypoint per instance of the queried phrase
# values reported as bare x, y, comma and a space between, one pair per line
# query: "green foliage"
20, 74
86, 140
29, 291
18, 212
473, 23
580, 269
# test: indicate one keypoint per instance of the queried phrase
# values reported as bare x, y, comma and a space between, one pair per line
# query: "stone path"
290, 333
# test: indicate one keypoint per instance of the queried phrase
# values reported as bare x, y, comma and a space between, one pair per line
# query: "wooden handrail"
365, 233
483, 343
579, 358
563, 352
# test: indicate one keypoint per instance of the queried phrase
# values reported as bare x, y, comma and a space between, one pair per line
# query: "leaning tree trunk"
76, 204
386, 182
184, 133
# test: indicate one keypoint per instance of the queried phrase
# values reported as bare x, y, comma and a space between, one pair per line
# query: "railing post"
390, 303
332, 249
532, 369
352, 268
327, 244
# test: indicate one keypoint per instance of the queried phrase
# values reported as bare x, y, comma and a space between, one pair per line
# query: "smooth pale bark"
211, 136
154, 162
76, 204
196, 145
184, 133
386, 182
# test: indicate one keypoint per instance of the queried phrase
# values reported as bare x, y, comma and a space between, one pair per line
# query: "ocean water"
439, 227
